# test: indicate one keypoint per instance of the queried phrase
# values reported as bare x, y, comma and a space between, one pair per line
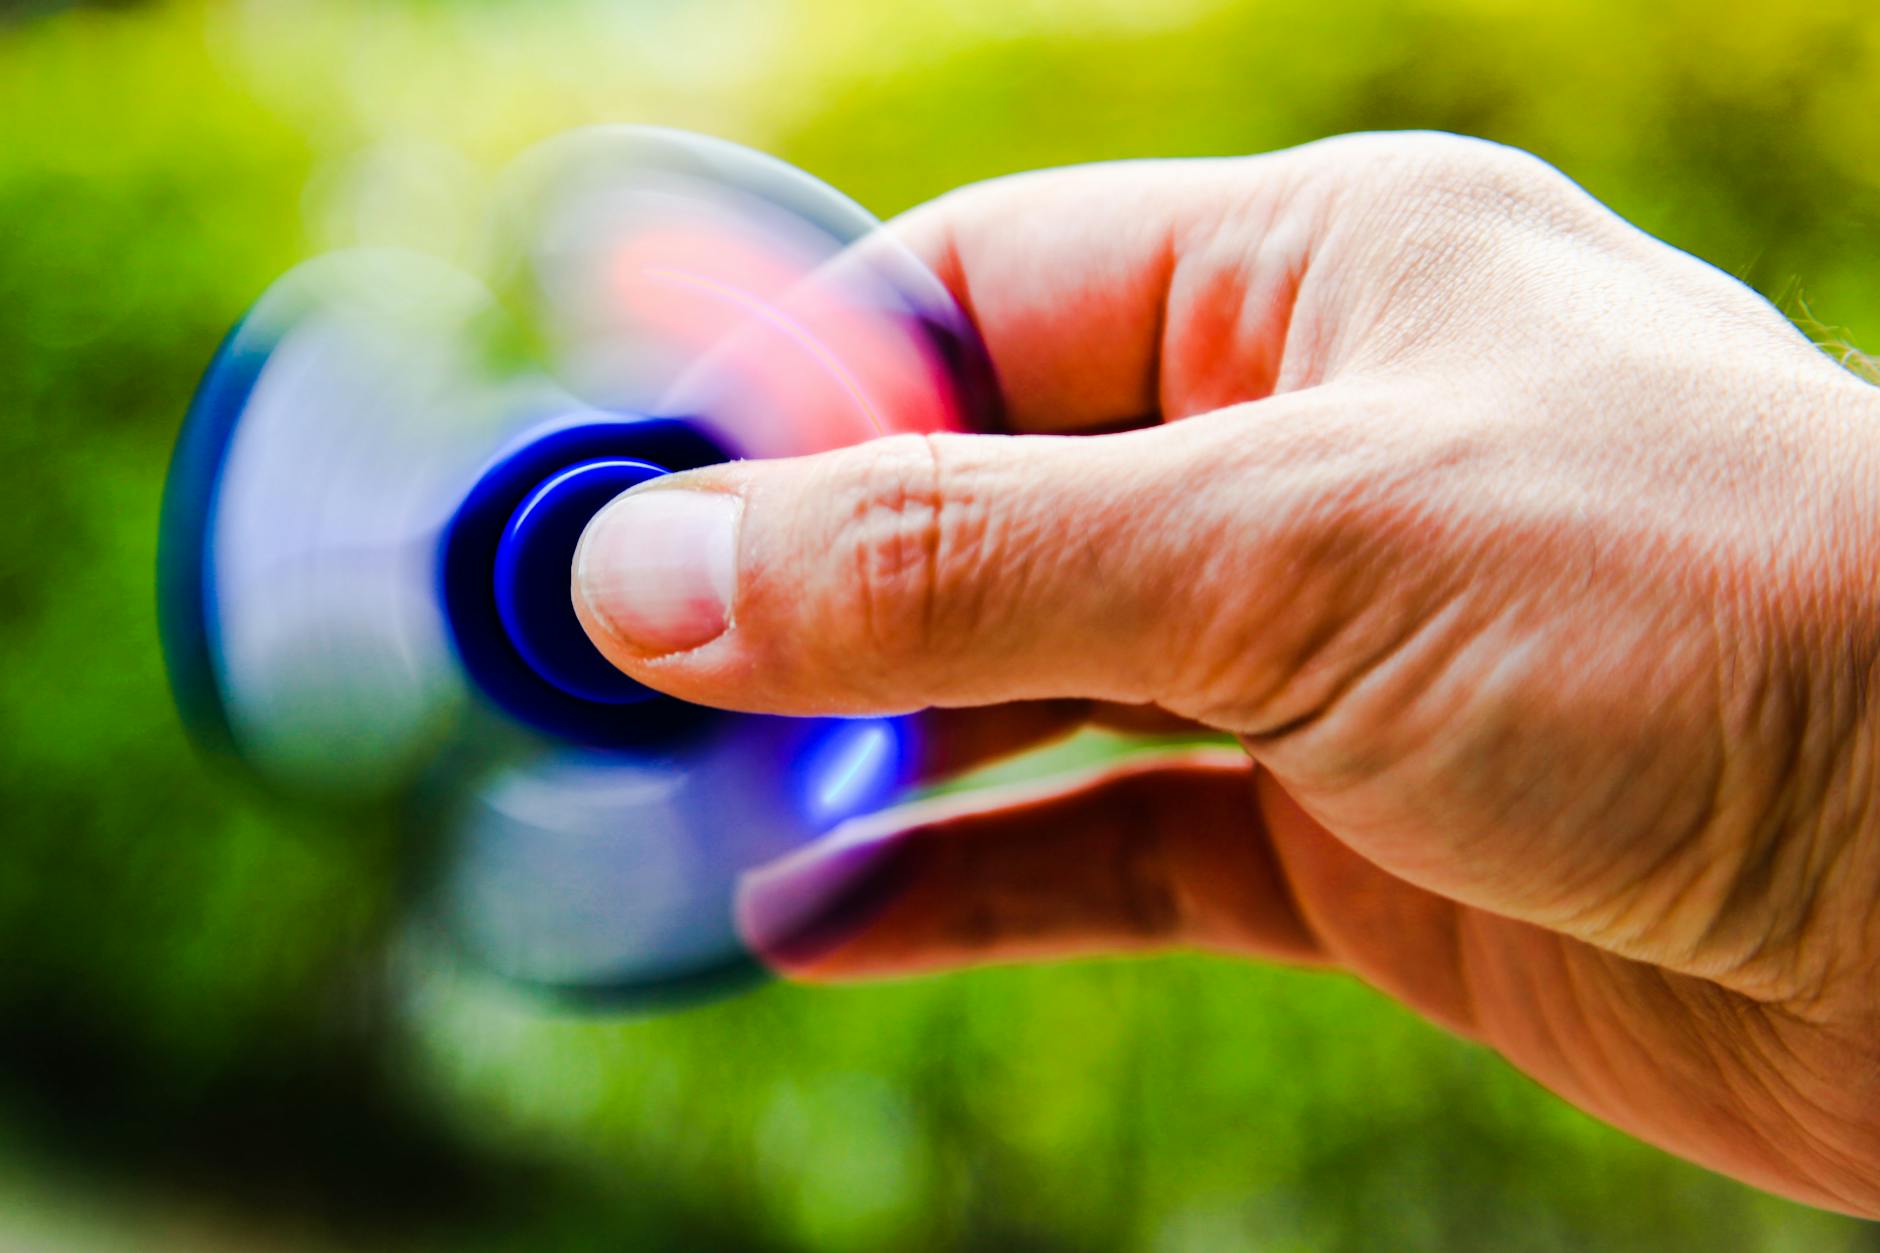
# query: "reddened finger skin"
1129, 858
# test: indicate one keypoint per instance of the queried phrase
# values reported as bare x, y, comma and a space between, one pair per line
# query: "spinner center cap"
534, 559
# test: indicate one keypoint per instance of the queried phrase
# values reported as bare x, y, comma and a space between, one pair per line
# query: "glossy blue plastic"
539, 666
531, 586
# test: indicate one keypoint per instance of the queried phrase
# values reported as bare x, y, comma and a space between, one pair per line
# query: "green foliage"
200, 1001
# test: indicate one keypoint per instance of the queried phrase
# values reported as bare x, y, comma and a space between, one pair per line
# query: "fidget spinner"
375, 499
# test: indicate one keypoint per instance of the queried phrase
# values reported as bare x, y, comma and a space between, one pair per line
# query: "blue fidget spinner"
374, 501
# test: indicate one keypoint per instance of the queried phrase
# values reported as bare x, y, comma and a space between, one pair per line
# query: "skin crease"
1530, 560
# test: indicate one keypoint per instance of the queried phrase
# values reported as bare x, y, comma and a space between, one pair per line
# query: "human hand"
1531, 560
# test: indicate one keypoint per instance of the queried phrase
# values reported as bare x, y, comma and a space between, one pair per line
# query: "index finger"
1125, 292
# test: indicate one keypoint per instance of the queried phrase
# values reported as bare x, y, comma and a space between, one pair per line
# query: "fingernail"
658, 567
798, 910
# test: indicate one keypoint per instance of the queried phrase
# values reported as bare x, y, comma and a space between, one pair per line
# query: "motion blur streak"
772, 316
379, 463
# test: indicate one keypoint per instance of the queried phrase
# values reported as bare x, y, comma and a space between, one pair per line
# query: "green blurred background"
211, 1034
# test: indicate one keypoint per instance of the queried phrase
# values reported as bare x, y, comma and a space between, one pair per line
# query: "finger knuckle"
1472, 182
1434, 181
902, 525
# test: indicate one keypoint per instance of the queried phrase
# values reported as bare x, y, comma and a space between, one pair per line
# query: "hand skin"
1532, 562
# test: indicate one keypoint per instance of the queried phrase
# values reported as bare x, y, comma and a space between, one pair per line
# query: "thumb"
935, 570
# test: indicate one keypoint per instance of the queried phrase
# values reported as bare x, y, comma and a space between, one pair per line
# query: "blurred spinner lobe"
363, 568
